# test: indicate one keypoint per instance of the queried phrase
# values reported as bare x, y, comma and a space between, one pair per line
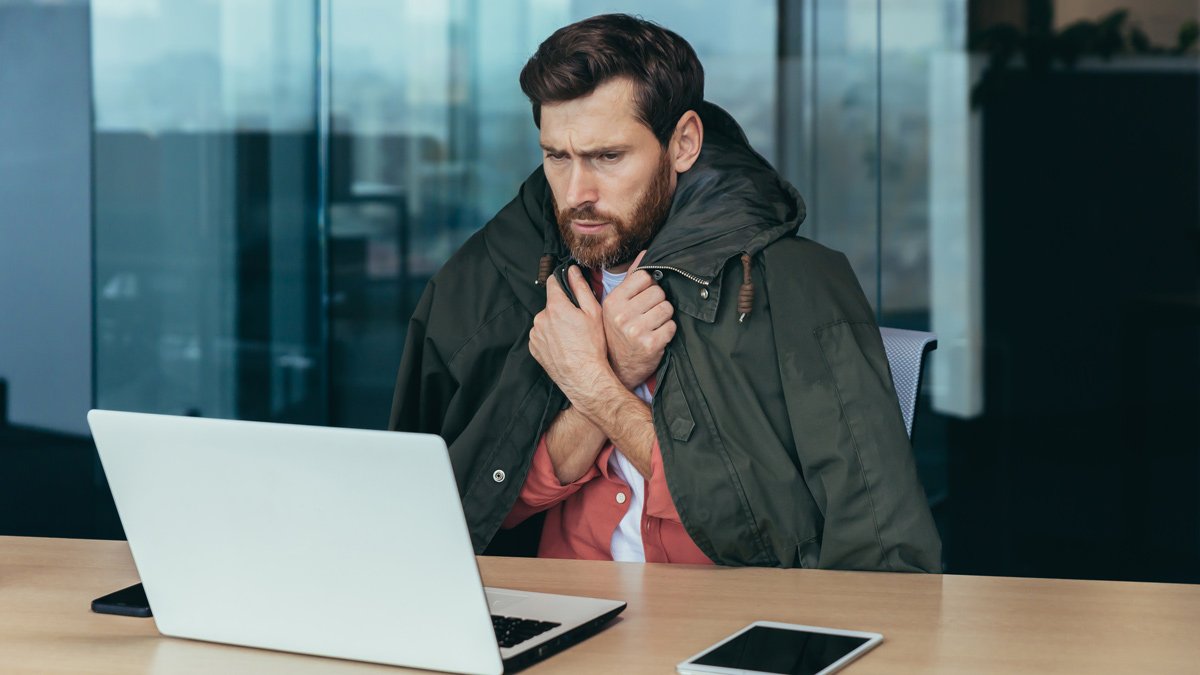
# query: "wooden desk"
951, 624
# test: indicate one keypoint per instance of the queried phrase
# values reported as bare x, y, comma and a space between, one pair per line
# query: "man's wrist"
623, 378
606, 386
609, 404
620, 416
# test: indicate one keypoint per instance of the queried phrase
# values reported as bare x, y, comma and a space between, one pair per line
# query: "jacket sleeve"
424, 384
850, 438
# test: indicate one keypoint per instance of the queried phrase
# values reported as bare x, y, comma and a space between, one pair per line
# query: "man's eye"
610, 156
555, 156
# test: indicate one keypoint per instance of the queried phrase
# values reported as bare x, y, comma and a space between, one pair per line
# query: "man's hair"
667, 77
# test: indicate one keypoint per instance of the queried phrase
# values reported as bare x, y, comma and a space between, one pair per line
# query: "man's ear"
686, 141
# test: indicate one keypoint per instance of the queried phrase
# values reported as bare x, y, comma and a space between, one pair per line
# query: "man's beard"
622, 243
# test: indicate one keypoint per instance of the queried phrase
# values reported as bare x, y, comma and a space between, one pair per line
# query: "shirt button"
620, 497
657, 274
498, 476
703, 293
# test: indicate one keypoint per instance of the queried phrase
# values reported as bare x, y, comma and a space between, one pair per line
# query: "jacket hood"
731, 201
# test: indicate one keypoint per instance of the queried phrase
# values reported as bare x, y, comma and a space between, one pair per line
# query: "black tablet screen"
778, 650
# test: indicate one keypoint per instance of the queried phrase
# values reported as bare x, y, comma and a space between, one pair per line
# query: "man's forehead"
602, 118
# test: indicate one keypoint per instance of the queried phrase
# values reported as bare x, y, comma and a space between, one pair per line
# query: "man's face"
611, 179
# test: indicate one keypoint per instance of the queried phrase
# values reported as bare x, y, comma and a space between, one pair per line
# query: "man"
639, 347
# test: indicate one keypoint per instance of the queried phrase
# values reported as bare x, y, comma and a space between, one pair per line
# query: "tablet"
777, 648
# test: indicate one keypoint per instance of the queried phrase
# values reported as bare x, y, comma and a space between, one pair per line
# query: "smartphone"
778, 648
126, 602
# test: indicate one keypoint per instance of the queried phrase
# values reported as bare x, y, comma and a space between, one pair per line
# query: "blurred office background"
228, 208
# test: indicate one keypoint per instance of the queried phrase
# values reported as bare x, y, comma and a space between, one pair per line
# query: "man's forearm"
573, 442
619, 415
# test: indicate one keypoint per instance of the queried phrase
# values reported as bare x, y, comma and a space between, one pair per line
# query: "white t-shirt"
627, 538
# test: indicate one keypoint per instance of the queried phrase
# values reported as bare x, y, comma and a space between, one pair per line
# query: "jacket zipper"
687, 275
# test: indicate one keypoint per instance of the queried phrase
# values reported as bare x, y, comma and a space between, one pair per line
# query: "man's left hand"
569, 341
637, 326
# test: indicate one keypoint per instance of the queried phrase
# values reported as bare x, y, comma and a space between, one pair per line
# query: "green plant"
1041, 47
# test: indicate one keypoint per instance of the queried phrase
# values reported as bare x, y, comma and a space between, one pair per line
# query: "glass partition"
208, 264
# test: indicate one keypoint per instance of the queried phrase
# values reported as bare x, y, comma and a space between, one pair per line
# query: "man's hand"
569, 341
637, 326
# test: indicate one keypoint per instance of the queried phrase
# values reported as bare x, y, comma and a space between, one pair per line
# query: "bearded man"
640, 348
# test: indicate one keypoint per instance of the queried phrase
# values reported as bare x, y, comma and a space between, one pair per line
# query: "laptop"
332, 542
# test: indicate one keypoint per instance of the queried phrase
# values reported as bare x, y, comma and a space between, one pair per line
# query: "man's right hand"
637, 326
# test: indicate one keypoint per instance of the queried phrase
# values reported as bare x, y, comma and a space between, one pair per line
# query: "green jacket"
781, 436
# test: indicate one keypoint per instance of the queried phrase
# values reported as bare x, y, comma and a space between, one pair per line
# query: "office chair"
906, 351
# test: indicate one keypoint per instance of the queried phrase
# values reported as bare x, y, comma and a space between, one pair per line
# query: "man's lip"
587, 226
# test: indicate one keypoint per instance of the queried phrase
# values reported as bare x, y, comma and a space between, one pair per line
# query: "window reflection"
207, 265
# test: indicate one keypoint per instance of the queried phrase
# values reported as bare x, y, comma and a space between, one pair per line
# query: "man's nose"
581, 186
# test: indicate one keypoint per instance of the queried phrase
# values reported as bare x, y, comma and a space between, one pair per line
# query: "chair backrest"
906, 351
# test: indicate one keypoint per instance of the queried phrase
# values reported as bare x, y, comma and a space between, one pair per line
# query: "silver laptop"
333, 542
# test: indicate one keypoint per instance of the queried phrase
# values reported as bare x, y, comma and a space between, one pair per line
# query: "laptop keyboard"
511, 631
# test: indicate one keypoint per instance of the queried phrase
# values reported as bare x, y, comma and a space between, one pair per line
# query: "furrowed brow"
588, 154
604, 151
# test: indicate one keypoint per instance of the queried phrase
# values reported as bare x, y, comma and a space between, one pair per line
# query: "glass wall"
45, 184
208, 263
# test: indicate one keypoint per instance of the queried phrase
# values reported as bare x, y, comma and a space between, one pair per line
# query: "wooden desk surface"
951, 624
